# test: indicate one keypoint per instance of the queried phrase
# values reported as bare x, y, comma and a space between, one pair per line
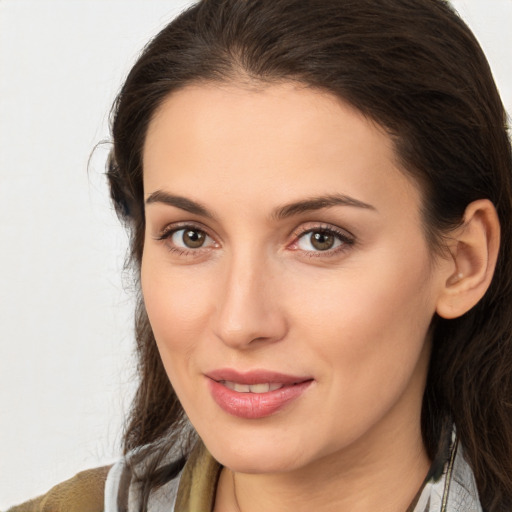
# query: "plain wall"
66, 371
66, 366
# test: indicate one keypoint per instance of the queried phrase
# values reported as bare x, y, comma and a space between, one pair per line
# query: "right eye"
186, 239
189, 238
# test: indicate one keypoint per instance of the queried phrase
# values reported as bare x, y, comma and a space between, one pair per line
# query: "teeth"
229, 385
252, 388
242, 388
260, 388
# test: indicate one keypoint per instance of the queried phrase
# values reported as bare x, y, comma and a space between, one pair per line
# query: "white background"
66, 367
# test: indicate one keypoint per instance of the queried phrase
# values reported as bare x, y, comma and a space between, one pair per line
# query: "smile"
252, 388
256, 394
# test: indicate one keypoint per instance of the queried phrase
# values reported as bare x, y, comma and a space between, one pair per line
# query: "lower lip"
255, 405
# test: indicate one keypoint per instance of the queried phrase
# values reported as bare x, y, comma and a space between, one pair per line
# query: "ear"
474, 249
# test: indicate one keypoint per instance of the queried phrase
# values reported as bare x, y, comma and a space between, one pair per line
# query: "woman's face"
286, 275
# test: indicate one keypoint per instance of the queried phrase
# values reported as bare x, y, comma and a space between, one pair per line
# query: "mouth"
252, 388
255, 394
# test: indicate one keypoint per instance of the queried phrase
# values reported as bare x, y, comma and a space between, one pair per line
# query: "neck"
359, 480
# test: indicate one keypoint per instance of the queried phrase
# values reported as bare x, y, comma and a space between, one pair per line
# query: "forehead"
283, 111
268, 144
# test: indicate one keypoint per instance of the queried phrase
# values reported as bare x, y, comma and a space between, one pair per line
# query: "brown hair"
416, 69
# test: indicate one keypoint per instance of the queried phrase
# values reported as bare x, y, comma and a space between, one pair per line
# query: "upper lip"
254, 376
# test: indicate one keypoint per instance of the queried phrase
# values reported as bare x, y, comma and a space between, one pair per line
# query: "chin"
259, 463
257, 454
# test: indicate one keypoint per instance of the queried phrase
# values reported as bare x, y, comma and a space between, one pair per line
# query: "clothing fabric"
82, 493
449, 487
454, 490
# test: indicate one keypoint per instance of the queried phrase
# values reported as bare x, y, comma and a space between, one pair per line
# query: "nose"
248, 312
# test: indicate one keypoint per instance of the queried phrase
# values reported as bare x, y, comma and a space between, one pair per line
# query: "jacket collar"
449, 487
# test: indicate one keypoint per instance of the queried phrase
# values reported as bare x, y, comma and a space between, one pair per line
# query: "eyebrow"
318, 203
179, 202
282, 212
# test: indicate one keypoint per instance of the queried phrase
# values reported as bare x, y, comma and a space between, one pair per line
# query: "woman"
314, 193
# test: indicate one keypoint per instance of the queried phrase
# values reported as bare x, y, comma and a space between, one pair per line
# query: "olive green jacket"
82, 493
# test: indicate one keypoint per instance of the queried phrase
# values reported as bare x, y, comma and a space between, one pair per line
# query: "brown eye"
193, 238
322, 241
190, 238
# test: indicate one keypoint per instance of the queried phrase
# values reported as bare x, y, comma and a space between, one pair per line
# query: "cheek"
177, 304
366, 297
177, 308
369, 324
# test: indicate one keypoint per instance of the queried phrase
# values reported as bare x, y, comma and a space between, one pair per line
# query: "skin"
258, 295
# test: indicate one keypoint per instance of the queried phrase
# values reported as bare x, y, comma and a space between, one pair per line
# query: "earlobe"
474, 250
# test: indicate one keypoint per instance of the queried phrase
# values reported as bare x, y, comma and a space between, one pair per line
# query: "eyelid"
307, 227
169, 229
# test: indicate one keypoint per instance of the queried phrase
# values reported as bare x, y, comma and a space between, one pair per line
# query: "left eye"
319, 240
190, 238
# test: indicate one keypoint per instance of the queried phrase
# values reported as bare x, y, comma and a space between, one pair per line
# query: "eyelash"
346, 240
169, 231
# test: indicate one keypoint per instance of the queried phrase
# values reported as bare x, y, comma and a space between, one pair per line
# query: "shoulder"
189, 487
127, 482
82, 493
